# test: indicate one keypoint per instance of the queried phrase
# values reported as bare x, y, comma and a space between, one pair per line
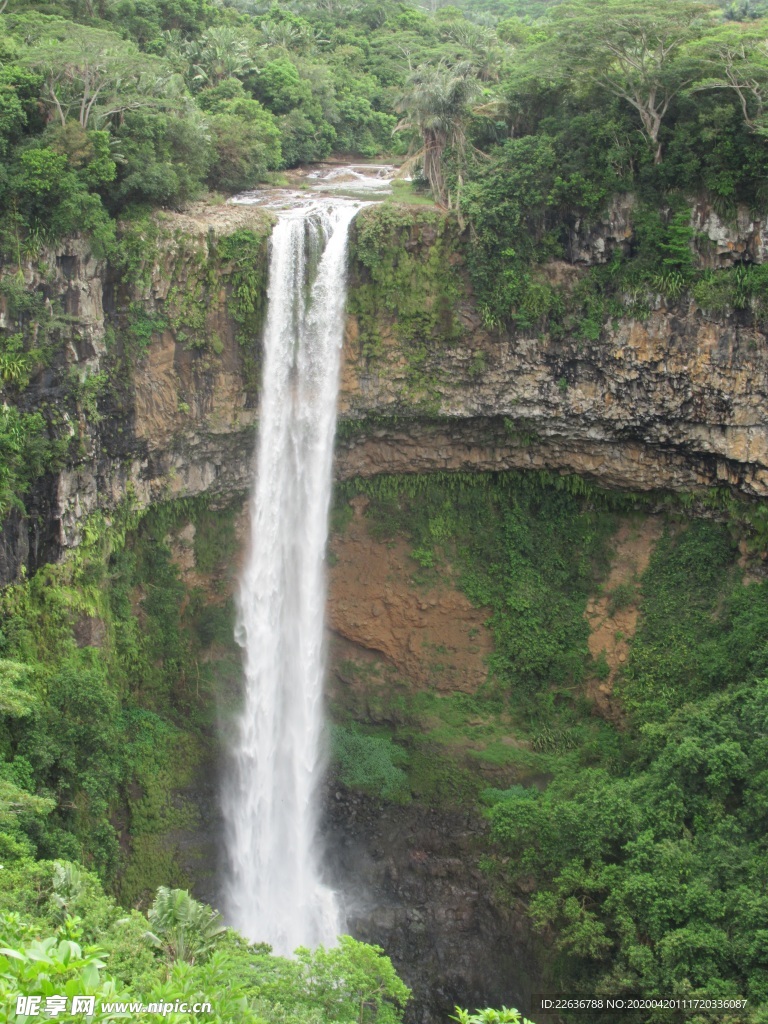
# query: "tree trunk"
433, 166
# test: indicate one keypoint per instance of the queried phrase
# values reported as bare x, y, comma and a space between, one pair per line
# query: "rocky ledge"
676, 402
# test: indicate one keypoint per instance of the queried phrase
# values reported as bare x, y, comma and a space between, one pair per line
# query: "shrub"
247, 144
370, 764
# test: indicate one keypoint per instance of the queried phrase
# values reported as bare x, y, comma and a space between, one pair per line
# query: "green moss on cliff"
247, 253
210, 280
406, 276
529, 548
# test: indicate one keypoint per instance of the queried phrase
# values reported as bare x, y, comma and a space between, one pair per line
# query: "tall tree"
92, 74
436, 105
632, 49
222, 52
736, 59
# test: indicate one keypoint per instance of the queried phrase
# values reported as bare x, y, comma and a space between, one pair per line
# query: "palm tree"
485, 53
183, 928
436, 104
221, 53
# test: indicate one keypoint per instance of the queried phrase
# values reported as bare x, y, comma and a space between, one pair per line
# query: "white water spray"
274, 891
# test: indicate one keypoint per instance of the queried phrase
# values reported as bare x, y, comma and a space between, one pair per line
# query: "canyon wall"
676, 399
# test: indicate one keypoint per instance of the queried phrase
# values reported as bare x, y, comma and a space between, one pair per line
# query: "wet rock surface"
412, 884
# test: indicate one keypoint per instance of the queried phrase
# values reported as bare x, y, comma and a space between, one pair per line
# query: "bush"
305, 140
58, 908
279, 87
370, 764
165, 159
247, 145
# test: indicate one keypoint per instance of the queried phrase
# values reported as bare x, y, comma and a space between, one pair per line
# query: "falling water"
274, 891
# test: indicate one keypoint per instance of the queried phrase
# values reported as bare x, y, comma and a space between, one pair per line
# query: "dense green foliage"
105, 106
654, 870
106, 704
490, 1016
60, 934
647, 844
370, 764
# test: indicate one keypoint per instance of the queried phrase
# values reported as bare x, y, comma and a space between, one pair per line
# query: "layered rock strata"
677, 400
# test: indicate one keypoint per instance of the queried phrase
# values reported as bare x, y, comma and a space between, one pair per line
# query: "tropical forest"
384, 511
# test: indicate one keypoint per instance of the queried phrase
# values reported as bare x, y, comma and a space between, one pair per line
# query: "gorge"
383, 530
671, 402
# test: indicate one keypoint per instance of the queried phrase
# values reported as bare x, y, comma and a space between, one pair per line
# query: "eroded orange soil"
612, 615
432, 634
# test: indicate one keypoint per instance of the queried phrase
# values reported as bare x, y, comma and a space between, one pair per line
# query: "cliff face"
422, 896
167, 341
676, 400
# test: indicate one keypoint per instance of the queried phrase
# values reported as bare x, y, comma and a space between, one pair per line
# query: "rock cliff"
422, 895
676, 400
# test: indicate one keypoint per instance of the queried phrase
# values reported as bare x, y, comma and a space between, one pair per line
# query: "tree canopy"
444, 88
632, 50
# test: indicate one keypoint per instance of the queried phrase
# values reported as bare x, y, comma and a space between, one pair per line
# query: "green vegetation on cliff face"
524, 547
643, 835
214, 288
108, 698
109, 112
113, 667
530, 553
407, 277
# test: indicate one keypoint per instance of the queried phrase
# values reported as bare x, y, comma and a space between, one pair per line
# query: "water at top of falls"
356, 181
273, 885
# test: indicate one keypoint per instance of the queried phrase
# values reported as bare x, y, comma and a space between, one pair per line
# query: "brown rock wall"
431, 634
678, 401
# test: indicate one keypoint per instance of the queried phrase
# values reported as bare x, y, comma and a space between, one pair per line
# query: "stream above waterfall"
368, 182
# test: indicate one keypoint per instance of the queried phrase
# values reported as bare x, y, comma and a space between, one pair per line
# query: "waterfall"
273, 887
